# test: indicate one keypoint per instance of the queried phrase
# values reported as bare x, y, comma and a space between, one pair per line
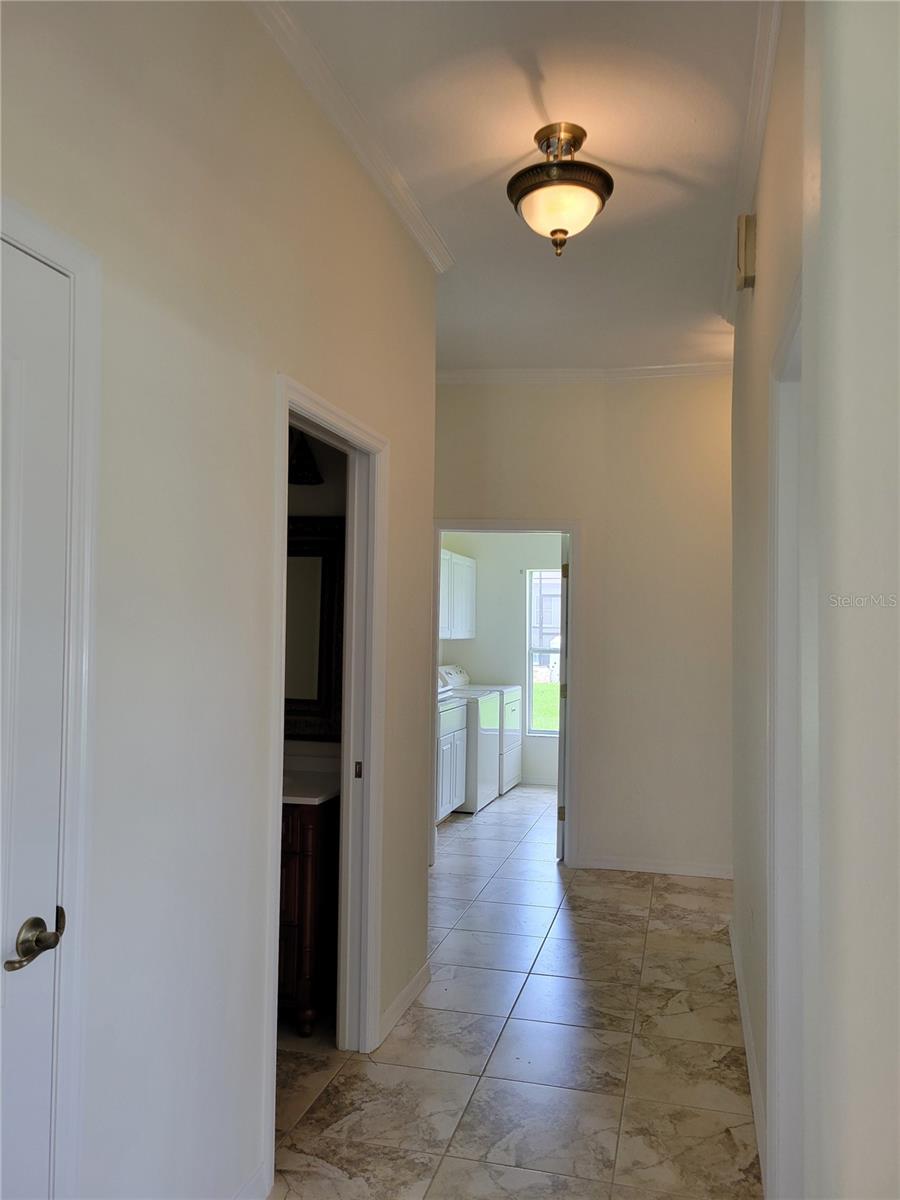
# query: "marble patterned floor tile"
623, 1192
433, 938
440, 1040
603, 892
688, 1151
492, 917
615, 960
602, 924
454, 887
577, 1002
323, 1039
445, 911
686, 961
471, 990
674, 918
567, 1056
534, 868
524, 891
458, 1179
699, 885
699, 1074
541, 1128
300, 1075
328, 1169
483, 847
500, 951
464, 864
596, 877
626, 908
692, 1015
408, 1108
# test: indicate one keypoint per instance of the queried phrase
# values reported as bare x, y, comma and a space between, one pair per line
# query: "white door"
35, 490
563, 697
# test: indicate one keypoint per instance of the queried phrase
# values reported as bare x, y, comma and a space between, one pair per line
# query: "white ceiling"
449, 94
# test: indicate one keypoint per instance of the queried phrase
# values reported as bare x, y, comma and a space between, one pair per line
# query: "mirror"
314, 628
302, 625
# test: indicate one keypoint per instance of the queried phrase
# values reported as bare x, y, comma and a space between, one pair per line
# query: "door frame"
61, 253
362, 740
572, 528
791, 717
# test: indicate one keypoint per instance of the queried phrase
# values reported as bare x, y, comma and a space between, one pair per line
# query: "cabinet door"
462, 596
445, 776
458, 796
444, 629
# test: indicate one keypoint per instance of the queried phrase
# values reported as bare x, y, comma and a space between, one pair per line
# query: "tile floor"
580, 1039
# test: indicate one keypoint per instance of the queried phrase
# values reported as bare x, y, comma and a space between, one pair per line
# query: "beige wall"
851, 398
761, 318
642, 467
499, 651
238, 237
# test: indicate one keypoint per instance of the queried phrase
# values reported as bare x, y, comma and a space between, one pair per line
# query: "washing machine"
509, 760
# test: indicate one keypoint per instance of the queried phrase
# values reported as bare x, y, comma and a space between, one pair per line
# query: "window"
544, 646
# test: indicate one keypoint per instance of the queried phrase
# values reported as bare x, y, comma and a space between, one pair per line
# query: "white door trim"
779, 1114
365, 634
570, 783
24, 231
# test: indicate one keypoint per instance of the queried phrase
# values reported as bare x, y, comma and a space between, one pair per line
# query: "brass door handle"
34, 938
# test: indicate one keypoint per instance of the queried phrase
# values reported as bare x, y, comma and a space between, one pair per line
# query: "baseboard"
656, 866
395, 1011
260, 1183
756, 1090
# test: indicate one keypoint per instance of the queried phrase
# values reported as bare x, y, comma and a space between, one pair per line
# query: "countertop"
310, 787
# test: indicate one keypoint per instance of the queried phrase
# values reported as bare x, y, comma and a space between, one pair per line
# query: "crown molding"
516, 376
319, 79
768, 24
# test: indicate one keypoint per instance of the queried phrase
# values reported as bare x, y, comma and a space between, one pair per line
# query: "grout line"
633, 1035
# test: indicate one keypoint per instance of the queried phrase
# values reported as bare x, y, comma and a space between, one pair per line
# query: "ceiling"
445, 97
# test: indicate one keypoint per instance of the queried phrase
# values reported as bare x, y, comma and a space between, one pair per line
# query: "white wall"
761, 316
499, 651
827, 203
851, 391
237, 237
642, 468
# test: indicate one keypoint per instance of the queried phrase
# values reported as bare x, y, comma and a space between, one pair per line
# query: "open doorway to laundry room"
498, 826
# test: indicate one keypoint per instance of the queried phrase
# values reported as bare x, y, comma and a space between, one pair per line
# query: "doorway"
502, 626
330, 653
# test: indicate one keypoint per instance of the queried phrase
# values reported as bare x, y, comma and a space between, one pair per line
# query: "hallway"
581, 1029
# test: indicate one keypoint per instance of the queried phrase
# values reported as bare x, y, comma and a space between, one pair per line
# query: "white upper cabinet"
457, 610
444, 624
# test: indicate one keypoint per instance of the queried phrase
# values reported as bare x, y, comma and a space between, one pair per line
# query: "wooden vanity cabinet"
307, 957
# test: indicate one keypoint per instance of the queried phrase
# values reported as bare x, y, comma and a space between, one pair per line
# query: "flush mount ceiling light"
559, 197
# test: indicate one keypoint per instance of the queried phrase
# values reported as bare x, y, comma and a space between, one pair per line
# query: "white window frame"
531, 651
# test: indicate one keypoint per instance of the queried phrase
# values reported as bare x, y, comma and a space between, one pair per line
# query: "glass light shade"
567, 206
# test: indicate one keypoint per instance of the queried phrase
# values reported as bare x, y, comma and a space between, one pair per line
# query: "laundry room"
500, 648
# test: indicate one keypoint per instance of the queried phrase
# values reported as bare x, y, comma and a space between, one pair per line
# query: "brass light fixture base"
560, 140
